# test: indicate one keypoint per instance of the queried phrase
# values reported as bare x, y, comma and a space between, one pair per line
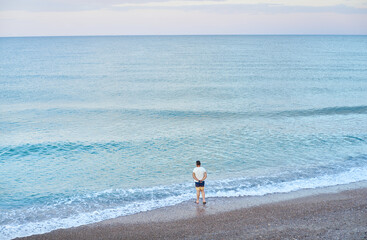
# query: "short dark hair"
198, 163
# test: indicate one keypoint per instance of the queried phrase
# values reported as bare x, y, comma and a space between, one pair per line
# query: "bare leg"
203, 195
197, 195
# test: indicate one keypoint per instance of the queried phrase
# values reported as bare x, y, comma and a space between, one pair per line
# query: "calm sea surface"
93, 128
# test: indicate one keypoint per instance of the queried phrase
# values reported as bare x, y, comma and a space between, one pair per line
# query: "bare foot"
197, 202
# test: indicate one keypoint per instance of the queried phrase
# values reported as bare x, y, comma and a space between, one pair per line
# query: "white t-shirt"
199, 173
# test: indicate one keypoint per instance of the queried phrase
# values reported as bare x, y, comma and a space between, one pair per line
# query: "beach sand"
310, 214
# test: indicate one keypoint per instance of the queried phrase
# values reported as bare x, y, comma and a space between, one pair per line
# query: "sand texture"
340, 215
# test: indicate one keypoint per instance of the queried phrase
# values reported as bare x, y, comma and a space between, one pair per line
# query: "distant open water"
93, 128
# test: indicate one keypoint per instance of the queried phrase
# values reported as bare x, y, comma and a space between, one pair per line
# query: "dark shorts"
200, 184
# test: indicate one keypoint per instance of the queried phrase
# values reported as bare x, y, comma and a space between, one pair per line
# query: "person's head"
198, 163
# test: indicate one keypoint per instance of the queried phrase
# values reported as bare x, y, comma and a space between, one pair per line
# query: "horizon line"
162, 35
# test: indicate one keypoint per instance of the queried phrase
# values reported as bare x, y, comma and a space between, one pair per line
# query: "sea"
97, 127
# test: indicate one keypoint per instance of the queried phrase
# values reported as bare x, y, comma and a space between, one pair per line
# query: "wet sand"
305, 215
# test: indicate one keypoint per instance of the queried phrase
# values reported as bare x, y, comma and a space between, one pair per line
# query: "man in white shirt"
199, 175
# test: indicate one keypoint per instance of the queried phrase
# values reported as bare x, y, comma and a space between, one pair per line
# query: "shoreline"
338, 212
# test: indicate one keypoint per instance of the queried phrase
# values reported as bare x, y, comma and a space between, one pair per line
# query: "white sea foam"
185, 193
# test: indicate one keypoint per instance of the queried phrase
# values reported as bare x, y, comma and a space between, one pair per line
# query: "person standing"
199, 175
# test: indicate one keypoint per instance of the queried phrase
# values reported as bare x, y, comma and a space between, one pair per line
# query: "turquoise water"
98, 127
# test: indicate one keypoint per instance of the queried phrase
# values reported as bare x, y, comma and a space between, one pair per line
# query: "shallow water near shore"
329, 213
215, 205
93, 128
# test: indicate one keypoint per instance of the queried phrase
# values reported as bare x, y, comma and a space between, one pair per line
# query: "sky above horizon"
161, 17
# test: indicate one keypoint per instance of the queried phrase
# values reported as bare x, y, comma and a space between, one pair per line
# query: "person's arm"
194, 176
204, 177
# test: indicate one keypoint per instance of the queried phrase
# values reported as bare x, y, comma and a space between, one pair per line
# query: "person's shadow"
200, 210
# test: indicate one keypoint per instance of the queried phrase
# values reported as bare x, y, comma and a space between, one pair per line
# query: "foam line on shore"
332, 212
